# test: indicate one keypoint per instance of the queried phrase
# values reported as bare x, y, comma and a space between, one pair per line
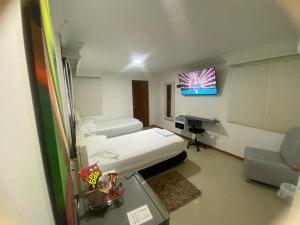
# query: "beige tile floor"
227, 199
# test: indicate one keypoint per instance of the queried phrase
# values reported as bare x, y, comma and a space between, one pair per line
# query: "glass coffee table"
139, 205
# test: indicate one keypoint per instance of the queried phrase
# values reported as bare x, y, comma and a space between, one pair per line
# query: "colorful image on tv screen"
201, 82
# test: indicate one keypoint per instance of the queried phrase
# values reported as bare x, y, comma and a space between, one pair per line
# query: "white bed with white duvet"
110, 128
133, 151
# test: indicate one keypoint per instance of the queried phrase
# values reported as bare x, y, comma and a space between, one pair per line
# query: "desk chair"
195, 142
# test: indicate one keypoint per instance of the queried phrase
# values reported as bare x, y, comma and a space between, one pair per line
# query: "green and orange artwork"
55, 144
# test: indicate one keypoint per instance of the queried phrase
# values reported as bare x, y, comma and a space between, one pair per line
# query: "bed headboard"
82, 158
80, 145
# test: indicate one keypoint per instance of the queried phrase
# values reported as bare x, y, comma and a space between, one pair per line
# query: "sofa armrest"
296, 167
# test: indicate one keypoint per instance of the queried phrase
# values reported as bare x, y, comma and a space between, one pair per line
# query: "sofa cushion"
256, 154
268, 167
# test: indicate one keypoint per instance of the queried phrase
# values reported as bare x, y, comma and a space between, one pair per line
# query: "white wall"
23, 190
153, 106
116, 96
226, 136
87, 95
261, 52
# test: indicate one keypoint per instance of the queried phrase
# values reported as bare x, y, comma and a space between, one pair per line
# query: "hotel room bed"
132, 152
110, 128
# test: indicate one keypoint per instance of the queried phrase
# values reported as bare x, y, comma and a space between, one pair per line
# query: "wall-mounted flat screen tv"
201, 82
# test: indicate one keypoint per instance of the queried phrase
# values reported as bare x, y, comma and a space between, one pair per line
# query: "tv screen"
202, 82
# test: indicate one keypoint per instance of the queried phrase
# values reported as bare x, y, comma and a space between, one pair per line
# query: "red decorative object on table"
102, 188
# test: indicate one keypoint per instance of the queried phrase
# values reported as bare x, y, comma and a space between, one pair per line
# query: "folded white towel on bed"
164, 132
105, 153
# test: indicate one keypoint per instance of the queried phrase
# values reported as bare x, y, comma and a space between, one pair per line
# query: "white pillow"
93, 143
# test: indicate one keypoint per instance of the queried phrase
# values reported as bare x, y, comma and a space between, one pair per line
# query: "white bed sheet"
135, 151
111, 128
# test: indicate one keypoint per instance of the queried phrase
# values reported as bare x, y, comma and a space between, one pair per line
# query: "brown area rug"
173, 189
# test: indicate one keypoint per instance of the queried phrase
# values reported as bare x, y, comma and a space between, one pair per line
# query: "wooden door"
140, 98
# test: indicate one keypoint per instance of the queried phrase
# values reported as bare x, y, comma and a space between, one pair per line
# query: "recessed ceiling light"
137, 61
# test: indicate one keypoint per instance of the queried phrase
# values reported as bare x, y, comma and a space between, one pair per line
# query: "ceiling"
148, 36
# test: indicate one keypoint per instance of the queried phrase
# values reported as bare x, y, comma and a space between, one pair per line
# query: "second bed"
110, 128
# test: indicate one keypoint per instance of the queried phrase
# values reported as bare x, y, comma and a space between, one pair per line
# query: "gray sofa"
275, 168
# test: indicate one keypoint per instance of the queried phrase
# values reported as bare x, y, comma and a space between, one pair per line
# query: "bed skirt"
163, 166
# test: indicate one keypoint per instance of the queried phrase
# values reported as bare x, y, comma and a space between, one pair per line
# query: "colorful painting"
54, 142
